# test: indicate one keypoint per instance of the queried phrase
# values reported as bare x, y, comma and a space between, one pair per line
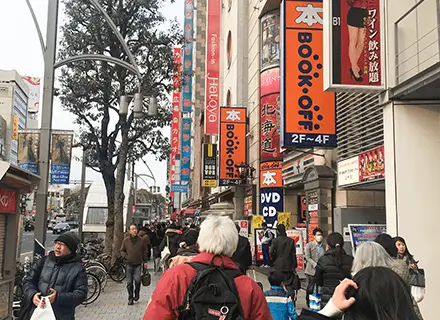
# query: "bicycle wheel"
100, 273
117, 272
93, 289
92, 263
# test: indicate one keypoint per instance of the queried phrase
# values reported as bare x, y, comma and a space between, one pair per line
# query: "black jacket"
243, 255
175, 238
66, 275
190, 237
311, 315
328, 275
283, 251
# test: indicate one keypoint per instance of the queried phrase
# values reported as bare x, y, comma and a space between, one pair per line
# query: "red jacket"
172, 286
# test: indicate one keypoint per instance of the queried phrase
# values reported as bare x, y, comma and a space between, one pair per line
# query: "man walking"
314, 250
60, 276
243, 255
266, 241
135, 250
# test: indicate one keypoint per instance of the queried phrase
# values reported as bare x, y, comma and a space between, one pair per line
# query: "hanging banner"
308, 113
60, 157
232, 144
272, 202
270, 40
34, 93
185, 164
212, 67
270, 128
353, 45
188, 56
29, 150
271, 174
209, 178
15, 127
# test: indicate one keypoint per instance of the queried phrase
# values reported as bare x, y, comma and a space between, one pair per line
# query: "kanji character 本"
266, 145
269, 178
233, 115
267, 126
309, 15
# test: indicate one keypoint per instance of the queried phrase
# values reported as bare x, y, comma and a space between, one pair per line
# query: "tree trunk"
109, 181
119, 193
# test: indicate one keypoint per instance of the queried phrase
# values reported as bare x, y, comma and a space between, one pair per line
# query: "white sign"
348, 171
244, 227
34, 93
297, 236
313, 207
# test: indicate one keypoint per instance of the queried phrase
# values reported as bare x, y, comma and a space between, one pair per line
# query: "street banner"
232, 144
60, 157
212, 68
271, 174
185, 164
188, 47
353, 45
360, 233
272, 202
175, 114
209, 178
34, 93
15, 127
308, 114
29, 150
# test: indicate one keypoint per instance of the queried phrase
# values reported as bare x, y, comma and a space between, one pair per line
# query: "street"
27, 243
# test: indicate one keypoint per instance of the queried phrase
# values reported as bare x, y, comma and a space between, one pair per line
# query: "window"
97, 216
229, 49
228, 98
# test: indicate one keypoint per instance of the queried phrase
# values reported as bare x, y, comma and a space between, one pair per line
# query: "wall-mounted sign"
348, 171
188, 47
183, 188
8, 201
293, 170
360, 233
185, 164
209, 165
353, 45
271, 174
272, 202
29, 150
270, 127
232, 150
302, 211
270, 81
308, 113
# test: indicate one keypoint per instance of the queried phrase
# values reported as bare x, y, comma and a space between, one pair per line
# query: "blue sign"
272, 202
60, 174
183, 188
188, 56
60, 157
360, 233
185, 159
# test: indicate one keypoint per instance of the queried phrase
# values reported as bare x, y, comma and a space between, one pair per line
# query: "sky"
20, 50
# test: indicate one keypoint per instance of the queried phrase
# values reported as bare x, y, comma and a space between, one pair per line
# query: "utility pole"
82, 195
46, 127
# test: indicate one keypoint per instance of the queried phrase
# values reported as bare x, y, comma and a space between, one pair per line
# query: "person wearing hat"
60, 276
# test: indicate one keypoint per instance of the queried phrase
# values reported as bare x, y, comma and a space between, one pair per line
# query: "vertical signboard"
308, 113
270, 40
29, 150
270, 127
188, 56
185, 164
212, 68
232, 150
15, 126
271, 183
353, 45
34, 93
209, 165
60, 157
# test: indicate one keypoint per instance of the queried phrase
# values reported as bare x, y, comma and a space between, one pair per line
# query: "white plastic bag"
418, 293
43, 313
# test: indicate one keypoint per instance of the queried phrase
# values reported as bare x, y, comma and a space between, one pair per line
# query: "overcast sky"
20, 50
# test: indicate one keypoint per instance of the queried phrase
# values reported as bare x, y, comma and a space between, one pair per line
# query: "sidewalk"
112, 303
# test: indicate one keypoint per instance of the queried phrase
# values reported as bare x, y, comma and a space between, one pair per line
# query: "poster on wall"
353, 45
270, 40
232, 150
29, 150
284, 218
258, 237
272, 202
308, 114
60, 157
297, 236
372, 165
360, 233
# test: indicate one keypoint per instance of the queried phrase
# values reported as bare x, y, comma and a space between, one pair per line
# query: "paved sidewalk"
112, 303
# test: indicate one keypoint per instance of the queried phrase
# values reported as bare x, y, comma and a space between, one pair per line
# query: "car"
61, 228
72, 224
51, 224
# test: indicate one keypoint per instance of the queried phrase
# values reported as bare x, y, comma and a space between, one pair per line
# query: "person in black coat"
242, 255
190, 236
173, 237
60, 276
333, 267
283, 252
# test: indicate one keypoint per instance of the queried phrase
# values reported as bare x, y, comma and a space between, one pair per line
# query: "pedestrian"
135, 251
60, 276
242, 255
280, 303
313, 252
235, 294
266, 242
404, 254
283, 251
144, 234
400, 267
333, 267
190, 236
387, 298
172, 239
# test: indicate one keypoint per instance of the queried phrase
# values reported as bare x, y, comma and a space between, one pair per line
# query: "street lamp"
138, 105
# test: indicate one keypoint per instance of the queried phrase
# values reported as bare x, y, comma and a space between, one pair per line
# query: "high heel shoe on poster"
352, 76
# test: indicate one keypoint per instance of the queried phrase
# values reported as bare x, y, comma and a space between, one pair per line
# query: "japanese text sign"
308, 113
209, 165
186, 150
270, 127
232, 144
188, 56
61, 156
271, 175
272, 202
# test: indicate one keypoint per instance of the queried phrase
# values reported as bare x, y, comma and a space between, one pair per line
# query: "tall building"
14, 95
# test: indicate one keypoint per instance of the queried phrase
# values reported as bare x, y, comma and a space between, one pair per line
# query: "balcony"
417, 53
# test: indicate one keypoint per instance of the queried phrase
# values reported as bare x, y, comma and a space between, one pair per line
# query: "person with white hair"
232, 293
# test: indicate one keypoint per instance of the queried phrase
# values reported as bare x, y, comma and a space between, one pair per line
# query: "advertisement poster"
284, 218
185, 164
270, 127
212, 68
232, 150
348, 171
244, 227
360, 233
258, 236
372, 165
188, 56
15, 127
60, 157
34, 93
8, 200
308, 113
297, 236
248, 206
353, 46
209, 174
29, 150
270, 81
270, 40
257, 222
271, 203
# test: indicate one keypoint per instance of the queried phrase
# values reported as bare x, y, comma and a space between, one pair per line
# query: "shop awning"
173, 216
188, 211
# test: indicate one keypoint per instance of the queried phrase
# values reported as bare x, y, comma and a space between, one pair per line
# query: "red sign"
8, 201
212, 68
372, 165
302, 216
269, 81
175, 114
270, 128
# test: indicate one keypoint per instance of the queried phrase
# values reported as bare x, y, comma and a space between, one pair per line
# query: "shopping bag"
165, 254
315, 300
418, 293
146, 277
43, 311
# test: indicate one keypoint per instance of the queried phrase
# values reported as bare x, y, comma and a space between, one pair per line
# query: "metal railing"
417, 43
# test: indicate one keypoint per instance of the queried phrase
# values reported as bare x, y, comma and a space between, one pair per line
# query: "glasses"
61, 244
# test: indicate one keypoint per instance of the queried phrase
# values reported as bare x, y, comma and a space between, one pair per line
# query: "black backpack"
212, 294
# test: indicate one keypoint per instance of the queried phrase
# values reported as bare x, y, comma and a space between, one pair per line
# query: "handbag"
146, 277
315, 300
43, 312
165, 254
417, 278
418, 293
